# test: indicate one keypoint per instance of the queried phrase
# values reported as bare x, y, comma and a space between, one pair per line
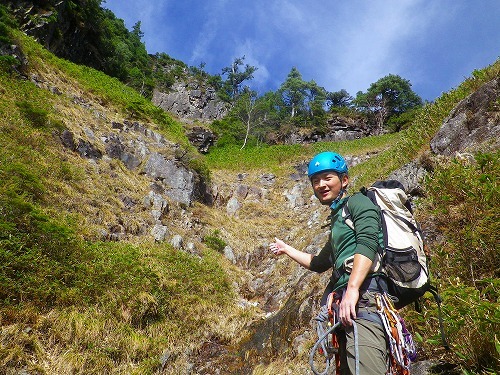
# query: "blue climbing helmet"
327, 161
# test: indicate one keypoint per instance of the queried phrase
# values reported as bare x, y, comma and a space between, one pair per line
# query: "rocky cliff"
138, 187
190, 101
474, 124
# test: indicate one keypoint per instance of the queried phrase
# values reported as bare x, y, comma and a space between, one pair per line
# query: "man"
352, 255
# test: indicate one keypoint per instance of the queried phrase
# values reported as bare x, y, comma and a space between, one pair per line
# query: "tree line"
388, 103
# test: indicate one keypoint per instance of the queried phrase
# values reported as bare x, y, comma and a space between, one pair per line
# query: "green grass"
282, 157
109, 89
464, 203
88, 307
121, 307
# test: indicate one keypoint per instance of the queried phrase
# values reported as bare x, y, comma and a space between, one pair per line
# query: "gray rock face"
133, 145
190, 101
177, 180
201, 138
117, 150
295, 195
474, 121
411, 176
339, 128
159, 206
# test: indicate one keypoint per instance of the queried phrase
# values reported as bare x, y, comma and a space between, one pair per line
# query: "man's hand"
278, 247
347, 308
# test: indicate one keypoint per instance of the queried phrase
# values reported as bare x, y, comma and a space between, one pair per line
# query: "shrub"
214, 242
463, 203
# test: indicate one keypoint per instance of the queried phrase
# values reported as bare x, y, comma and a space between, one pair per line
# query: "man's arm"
360, 268
279, 247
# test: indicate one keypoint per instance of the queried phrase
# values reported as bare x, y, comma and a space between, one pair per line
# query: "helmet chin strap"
336, 201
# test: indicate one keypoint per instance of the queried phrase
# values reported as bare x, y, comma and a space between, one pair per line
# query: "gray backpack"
402, 257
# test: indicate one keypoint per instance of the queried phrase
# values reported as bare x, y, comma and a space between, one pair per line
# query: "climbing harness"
402, 349
327, 343
401, 346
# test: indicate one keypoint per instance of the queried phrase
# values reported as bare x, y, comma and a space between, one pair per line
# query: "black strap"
370, 316
433, 289
337, 274
407, 222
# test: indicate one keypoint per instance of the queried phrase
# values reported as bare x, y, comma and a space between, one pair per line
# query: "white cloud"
211, 15
251, 53
365, 47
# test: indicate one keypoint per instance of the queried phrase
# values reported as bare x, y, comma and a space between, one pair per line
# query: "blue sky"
435, 44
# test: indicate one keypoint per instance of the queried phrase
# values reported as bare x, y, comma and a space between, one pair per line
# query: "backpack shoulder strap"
346, 215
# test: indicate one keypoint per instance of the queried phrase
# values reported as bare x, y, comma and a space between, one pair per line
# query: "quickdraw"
333, 304
401, 345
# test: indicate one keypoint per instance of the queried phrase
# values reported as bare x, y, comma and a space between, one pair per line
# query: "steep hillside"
124, 251
96, 185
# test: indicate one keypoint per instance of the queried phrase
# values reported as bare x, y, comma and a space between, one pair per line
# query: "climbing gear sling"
401, 346
327, 342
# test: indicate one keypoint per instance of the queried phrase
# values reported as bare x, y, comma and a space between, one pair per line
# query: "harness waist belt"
370, 316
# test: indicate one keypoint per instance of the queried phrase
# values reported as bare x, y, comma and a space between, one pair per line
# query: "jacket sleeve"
366, 217
322, 261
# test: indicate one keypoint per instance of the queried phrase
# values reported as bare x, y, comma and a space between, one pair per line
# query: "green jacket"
344, 242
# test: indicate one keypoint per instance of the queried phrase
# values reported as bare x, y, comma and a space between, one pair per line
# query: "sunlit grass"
71, 304
282, 157
108, 89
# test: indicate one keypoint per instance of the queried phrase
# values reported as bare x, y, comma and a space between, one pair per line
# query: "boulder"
232, 206
177, 242
201, 138
116, 149
473, 123
159, 232
411, 176
178, 181
229, 254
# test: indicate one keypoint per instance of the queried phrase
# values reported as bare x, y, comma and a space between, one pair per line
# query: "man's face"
327, 186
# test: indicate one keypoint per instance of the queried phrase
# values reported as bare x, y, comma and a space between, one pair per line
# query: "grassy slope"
70, 305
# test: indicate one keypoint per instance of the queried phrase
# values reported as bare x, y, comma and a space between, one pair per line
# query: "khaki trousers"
372, 344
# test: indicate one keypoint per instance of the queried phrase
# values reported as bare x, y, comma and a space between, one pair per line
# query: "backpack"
402, 256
